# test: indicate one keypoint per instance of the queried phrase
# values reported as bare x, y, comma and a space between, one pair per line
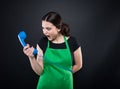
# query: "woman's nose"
45, 31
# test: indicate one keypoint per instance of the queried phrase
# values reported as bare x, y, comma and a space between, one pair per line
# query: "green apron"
57, 72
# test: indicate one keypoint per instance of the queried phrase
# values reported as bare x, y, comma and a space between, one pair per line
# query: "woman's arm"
78, 60
36, 64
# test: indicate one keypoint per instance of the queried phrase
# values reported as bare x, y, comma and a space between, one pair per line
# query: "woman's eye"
48, 28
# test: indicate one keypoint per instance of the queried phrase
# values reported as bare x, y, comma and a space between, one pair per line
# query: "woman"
56, 53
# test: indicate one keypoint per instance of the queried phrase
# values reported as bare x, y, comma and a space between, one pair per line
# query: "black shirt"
72, 42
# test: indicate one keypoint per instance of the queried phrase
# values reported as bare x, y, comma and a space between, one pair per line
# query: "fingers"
26, 47
28, 50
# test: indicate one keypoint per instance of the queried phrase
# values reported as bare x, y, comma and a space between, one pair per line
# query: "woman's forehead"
46, 24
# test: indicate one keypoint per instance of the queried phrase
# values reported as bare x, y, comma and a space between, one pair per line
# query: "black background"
95, 24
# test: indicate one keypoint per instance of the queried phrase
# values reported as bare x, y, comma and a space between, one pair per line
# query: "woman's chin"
49, 39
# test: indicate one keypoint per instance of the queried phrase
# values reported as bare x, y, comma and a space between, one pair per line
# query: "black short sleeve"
73, 43
43, 43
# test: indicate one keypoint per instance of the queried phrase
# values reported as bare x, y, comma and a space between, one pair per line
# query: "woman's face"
49, 30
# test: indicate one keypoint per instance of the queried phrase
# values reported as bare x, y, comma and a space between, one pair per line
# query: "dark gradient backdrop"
95, 23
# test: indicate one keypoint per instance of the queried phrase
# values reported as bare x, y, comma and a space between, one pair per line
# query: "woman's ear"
58, 30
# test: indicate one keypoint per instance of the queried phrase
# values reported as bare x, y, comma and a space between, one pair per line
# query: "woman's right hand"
28, 51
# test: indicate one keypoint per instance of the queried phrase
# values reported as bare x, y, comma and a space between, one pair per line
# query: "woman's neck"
59, 39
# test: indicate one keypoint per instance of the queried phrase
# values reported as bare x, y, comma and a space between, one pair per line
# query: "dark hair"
55, 19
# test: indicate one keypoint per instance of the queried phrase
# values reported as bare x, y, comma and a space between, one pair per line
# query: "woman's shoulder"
71, 38
43, 41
